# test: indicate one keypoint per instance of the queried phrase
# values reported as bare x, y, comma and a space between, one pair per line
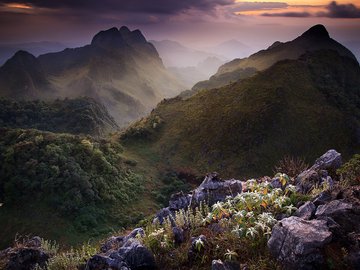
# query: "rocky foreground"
322, 231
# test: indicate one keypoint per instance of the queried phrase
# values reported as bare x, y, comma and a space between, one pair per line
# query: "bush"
350, 171
292, 166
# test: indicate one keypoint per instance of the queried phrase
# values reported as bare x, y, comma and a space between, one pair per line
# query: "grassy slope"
243, 129
67, 187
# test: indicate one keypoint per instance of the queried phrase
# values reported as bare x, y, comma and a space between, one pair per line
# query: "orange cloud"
18, 6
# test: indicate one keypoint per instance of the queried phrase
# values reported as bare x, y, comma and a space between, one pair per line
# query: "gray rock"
26, 259
323, 198
297, 243
210, 191
127, 254
331, 160
332, 208
275, 183
306, 211
179, 235
306, 180
219, 265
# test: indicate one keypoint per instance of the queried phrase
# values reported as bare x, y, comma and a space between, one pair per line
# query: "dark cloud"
138, 6
288, 14
340, 11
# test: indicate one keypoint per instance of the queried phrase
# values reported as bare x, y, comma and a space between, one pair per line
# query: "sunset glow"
18, 6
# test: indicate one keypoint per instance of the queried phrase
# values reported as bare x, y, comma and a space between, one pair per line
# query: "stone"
219, 265
332, 208
298, 243
306, 211
179, 235
323, 198
26, 259
331, 160
127, 254
275, 183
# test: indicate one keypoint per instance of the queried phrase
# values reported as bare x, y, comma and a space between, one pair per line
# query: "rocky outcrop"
306, 211
25, 256
297, 243
210, 191
220, 265
123, 253
319, 172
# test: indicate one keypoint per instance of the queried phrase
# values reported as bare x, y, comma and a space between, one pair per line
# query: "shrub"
350, 171
292, 166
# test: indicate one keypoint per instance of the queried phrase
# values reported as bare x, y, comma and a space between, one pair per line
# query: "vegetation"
76, 116
245, 128
240, 225
350, 171
79, 179
292, 166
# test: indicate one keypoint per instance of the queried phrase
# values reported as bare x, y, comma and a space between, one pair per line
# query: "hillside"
119, 69
75, 116
316, 38
67, 187
296, 107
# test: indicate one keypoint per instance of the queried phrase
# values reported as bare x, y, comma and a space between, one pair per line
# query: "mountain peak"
317, 31
124, 29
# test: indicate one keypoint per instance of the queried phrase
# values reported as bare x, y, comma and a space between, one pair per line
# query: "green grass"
245, 128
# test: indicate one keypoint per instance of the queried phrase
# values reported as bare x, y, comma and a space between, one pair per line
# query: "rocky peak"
317, 31
113, 38
22, 58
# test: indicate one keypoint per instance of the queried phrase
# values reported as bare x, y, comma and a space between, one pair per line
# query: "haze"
197, 24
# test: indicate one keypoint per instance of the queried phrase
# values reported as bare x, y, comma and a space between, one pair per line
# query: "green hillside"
65, 187
296, 107
76, 116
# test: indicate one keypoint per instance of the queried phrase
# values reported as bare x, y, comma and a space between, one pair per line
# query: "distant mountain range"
36, 48
297, 98
316, 38
119, 69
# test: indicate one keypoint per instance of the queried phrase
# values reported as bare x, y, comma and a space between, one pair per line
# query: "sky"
197, 23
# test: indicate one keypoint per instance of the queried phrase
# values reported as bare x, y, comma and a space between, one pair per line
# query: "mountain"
174, 54
316, 38
190, 75
75, 116
299, 107
119, 69
36, 48
231, 49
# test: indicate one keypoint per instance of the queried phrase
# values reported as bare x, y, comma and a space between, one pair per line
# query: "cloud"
137, 6
335, 10
254, 6
288, 14
332, 10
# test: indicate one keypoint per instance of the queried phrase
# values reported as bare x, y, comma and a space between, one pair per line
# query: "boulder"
298, 243
318, 173
26, 258
332, 208
331, 160
123, 253
306, 211
179, 235
219, 265
211, 190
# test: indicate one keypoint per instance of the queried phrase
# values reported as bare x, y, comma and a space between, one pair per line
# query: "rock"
219, 265
136, 256
26, 259
306, 211
179, 235
213, 190
306, 180
331, 160
323, 198
297, 243
353, 260
127, 254
210, 191
34, 242
179, 201
332, 208
275, 183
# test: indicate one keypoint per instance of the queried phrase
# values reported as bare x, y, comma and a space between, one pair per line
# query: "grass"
243, 129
